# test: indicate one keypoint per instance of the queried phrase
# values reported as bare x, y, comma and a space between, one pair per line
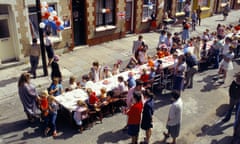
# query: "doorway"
6, 41
128, 17
78, 19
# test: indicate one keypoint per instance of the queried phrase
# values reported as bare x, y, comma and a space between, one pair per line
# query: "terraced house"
88, 22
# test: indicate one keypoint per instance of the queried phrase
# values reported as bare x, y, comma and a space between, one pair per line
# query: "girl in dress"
80, 114
226, 63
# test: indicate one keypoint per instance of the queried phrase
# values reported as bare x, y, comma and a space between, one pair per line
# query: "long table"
69, 99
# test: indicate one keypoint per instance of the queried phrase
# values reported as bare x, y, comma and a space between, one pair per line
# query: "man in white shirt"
174, 117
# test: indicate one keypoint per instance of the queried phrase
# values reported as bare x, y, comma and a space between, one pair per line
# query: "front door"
128, 17
6, 41
79, 27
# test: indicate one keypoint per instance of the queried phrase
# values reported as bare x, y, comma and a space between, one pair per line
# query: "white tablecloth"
69, 99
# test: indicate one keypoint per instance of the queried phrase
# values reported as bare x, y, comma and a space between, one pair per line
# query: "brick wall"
22, 27
94, 37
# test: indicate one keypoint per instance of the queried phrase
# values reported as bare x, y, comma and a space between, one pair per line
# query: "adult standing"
28, 96
174, 118
226, 10
49, 48
194, 20
137, 44
185, 32
236, 130
234, 91
186, 9
179, 72
34, 57
56, 73
147, 115
153, 21
199, 11
191, 61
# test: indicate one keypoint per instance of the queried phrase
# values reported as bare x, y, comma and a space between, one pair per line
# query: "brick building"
18, 22
105, 20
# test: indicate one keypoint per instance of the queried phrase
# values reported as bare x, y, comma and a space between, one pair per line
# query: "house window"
105, 10
180, 5
33, 22
149, 7
204, 3
224, 1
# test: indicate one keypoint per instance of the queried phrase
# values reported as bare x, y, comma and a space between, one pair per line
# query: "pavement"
204, 105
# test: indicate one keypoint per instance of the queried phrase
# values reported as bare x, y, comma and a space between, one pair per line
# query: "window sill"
105, 28
145, 20
223, 4
205, 8
178, 14
55, 39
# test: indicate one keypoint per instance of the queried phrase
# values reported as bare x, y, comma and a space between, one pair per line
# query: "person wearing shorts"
174, 118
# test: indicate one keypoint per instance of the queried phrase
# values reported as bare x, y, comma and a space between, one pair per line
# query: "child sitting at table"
94, 103
116, 67
150, 62
80, 114
144, 77
55, 88
72, 84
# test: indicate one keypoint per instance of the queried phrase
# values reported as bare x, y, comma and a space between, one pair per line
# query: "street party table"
69, 99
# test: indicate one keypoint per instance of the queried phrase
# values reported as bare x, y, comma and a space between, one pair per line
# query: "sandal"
165, 135
54, 134
46, 131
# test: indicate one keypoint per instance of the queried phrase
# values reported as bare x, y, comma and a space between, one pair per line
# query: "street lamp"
44, 63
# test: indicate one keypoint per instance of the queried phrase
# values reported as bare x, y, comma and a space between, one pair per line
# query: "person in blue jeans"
234, 93
236, 130
51, 122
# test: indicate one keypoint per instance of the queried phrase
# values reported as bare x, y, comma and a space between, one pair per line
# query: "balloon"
58, 23
43, 10
42, 25
61, 27
62, 22
46, 15
50, 9
55, 18
103, 10
53, 25
46, 21
108, 10
44, 4
50, 18
54, 13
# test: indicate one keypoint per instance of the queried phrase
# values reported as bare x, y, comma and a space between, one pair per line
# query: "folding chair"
156, 84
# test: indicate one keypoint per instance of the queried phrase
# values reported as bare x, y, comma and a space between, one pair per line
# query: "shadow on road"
8, 81
112, 137
162, 100
215, 129
221, 110
225, 140
210, 83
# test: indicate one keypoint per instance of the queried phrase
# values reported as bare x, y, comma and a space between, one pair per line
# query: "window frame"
180, 5
146, 16
105, 19
204, 3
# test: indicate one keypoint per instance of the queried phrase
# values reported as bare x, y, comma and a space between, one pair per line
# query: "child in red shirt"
134, 117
